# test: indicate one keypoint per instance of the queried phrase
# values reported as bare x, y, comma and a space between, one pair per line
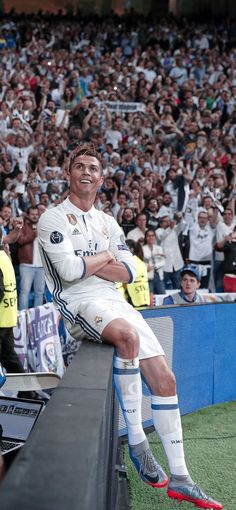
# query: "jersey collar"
79, 212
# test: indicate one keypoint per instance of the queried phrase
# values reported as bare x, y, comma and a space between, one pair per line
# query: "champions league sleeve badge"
56, 237
123, 245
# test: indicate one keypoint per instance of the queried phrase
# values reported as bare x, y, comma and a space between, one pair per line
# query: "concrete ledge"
69, 459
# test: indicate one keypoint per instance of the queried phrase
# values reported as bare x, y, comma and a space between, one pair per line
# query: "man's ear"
68, 173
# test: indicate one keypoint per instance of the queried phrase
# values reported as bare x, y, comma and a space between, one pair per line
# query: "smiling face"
228, 216
202, 219
153, 205
150, 237
141, 222
85, 178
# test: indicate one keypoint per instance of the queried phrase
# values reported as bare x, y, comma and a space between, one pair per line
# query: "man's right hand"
112, 256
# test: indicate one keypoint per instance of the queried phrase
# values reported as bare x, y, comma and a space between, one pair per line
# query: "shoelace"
147, 462
199, 493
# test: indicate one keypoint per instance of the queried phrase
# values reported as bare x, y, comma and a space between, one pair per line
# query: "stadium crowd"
158, 100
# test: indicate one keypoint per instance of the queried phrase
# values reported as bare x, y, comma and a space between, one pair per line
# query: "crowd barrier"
204, 352
199, 342
74, 443
69, 460
201, 349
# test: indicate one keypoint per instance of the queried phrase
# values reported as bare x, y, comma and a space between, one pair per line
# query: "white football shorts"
94, 315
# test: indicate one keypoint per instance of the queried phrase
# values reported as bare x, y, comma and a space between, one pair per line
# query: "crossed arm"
104, 265
114, 264
114, 272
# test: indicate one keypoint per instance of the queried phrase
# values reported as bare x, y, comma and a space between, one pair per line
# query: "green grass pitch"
210, 451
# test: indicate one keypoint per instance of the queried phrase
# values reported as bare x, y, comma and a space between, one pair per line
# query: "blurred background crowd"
158, 100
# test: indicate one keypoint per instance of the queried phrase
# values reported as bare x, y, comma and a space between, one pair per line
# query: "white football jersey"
67, 235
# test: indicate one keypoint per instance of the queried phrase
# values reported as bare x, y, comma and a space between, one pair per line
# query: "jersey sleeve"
56, 248
120, 249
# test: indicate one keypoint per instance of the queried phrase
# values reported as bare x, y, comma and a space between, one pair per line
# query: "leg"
8, 356
168, 280
167, 422
151, 286
39, 286
165, 410
218, 275
176, 279
205, 279
129, 389
127, 375
26, 280
159, 286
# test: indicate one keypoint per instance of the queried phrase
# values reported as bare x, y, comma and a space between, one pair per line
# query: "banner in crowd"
69, 345
37, 338
124, 107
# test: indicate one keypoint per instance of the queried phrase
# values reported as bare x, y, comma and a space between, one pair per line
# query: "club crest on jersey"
72, 219
56, 237
98, 319
105, 232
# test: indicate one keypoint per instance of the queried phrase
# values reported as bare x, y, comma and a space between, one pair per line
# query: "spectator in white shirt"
155, 260
201, 237
179, 72
113, 135
138, 233
167, 236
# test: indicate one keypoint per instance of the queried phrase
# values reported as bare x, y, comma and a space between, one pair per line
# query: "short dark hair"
87, 149
228, 209
135, 248
140, 214
31, 208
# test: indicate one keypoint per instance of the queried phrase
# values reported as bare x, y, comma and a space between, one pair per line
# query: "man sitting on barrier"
84, 253
188, 295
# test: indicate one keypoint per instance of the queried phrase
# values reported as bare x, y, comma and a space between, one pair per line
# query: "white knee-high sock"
167, 422
128, 386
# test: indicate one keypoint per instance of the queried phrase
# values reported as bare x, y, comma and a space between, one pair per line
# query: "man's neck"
189, 297
84, 204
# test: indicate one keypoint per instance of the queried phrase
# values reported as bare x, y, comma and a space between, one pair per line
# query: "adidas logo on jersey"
76, 232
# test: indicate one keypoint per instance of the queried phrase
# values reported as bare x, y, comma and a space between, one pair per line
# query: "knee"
168, 384
164, 385
128, 342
